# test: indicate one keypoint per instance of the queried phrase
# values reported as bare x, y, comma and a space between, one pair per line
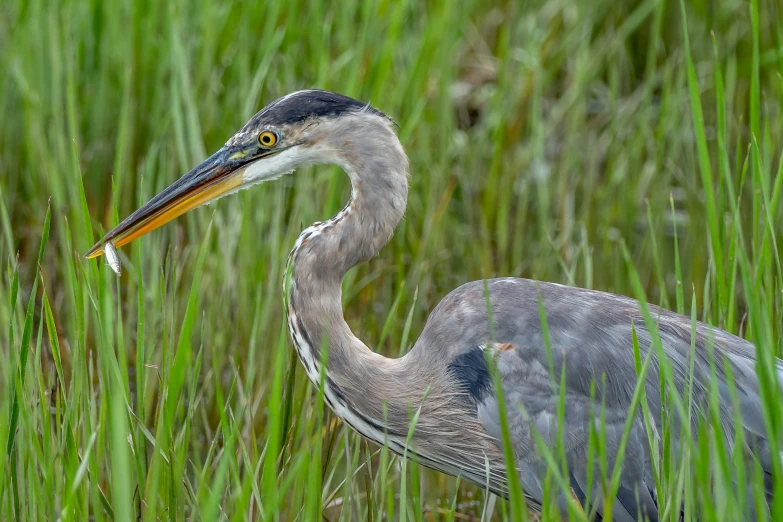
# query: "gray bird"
448, 375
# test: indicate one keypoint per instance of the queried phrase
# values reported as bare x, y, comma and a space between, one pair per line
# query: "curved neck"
375, 395
324, 253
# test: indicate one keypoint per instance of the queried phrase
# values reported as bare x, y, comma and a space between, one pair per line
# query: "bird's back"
590, 332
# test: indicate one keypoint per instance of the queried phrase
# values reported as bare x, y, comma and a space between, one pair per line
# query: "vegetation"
603, 144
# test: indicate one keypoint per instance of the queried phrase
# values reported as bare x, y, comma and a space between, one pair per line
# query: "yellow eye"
267, 139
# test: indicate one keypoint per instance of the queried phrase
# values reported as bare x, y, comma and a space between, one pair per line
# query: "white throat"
273, 167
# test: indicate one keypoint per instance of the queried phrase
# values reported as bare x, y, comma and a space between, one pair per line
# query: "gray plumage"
445, 378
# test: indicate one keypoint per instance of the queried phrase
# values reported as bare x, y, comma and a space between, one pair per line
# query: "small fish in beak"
112, 257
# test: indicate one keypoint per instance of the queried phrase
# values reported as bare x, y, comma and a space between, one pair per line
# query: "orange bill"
219, 174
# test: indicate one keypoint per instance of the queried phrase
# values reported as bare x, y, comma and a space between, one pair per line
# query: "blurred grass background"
543, 136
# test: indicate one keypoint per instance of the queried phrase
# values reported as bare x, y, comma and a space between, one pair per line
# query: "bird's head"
300, 129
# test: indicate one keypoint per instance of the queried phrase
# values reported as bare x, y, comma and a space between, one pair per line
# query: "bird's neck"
320, 259
377, 396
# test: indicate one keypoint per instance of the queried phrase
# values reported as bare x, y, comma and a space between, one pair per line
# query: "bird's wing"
535, 404
591, 348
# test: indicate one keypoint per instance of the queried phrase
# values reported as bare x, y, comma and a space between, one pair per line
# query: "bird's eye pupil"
267, 139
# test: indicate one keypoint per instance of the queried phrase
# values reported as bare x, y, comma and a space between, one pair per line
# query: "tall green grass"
603, 144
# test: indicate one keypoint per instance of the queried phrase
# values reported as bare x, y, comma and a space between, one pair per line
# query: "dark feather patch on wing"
470, 369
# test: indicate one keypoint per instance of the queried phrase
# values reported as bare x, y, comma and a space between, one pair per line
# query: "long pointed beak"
218, 174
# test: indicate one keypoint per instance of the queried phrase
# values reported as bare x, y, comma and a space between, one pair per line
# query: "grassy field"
586, 143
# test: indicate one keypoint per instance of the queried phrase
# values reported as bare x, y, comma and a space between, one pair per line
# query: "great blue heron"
445, 377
